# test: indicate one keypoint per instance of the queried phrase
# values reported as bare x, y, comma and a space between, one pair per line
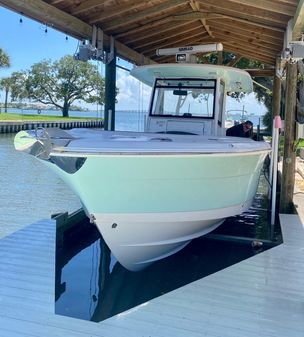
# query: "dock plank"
261, 296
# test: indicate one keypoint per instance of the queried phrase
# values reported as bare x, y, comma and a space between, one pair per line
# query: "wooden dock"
260, 296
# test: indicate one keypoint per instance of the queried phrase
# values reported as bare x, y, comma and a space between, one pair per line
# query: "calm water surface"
29, 191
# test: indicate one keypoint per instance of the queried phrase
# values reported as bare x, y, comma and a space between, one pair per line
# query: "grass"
20, 117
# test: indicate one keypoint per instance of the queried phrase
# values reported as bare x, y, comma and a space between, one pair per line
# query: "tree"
6, 84
262, 94
4, 59
60, 83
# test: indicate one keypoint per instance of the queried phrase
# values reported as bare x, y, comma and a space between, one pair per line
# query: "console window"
183, 98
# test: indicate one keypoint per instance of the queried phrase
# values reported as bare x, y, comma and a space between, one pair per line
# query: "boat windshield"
184, 98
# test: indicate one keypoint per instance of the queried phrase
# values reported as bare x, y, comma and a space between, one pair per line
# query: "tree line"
62, 82
56, 83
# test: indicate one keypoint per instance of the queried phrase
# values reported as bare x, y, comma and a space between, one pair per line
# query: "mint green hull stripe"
136, 184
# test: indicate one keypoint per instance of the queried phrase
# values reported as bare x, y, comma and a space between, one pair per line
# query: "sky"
27, 43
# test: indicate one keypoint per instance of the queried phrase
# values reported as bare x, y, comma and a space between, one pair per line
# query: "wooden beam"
276, 99
143, 27
253, 51
288, 173
244, 12
232, 36
261, 72
290, 2
115, 11
267, 5
268, 36
196, 16
181, 41
153, 10
169, 35
159, 30
195, 7
211, 16
42, 12
298, 28
264, 28
259, 48
207, 27
219, 57
249, 54
255, 23
86, 5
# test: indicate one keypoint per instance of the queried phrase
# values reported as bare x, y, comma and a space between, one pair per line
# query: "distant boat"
150, 193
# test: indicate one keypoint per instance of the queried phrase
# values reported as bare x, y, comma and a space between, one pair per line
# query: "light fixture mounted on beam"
94, 50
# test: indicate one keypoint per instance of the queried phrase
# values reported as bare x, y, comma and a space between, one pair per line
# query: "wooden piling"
110, 92
276, 96
288, 173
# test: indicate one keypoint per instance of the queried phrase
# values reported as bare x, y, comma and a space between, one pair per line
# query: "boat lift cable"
123, 68
261, 85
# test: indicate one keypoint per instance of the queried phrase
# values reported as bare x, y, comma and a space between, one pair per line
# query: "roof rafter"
204, 14
236, 40
143, 27
261, 33
261, 72
256, 49
153, 10
170, 36
244, 12
87, 5
268, 6
247, 53
181, 41
195, 6
228, 33
116, 11
157, 31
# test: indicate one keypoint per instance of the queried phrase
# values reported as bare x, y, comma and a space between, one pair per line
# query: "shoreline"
16, 126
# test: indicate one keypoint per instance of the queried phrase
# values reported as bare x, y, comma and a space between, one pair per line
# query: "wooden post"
110, 91
288, 174
219, 57
276, 97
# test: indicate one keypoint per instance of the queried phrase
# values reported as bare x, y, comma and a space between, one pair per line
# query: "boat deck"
260, 296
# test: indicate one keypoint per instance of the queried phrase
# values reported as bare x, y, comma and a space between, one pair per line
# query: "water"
124, 120
29, 191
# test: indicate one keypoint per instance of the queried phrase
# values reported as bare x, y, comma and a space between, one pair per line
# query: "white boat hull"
137, 240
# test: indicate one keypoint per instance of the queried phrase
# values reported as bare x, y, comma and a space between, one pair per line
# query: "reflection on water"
29, 190
92, 285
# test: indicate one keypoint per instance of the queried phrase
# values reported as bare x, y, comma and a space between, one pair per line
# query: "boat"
150, 193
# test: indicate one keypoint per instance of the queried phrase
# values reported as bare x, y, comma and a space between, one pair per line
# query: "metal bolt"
114, 225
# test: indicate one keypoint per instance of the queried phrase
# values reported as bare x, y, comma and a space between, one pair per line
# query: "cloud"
133, 95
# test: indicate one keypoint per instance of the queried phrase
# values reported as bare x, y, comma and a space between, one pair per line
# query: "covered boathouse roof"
252, 29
